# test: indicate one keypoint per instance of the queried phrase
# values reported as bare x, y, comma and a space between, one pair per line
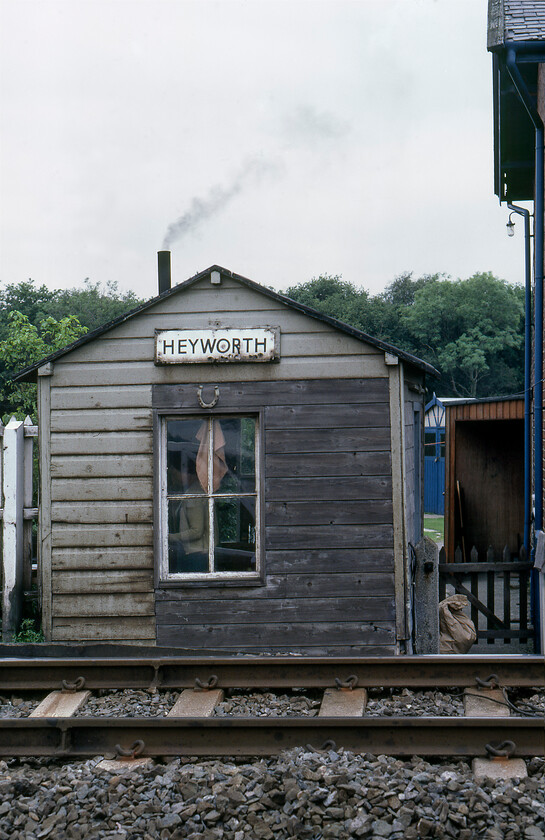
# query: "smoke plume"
202, 209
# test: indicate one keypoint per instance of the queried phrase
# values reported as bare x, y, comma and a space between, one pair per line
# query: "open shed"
224, 468
484, 476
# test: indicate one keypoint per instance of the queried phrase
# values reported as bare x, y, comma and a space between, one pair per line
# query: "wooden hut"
484, 476
224, 468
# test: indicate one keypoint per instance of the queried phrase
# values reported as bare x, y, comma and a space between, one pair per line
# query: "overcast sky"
281, 139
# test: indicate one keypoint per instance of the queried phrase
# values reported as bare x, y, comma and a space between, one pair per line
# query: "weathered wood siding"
97, 417
328, 534
414, 478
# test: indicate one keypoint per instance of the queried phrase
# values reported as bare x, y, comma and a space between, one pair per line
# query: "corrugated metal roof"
515, 20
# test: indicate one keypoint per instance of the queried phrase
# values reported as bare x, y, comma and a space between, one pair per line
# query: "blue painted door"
434, 472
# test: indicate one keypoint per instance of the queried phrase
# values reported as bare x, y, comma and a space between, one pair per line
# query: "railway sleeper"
189, 729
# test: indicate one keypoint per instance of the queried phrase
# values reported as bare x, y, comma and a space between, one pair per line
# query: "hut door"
434, 471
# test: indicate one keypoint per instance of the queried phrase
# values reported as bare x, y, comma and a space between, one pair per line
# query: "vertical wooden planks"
397, 432
44, 523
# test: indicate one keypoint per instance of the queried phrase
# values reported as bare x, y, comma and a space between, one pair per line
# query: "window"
210, 501
430, 444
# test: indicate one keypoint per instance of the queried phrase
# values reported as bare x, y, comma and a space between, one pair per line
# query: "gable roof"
30, 373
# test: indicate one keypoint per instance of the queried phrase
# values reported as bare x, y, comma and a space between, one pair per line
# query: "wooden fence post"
12, 526
28, 513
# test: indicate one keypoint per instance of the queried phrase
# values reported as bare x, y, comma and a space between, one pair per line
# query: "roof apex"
30, 373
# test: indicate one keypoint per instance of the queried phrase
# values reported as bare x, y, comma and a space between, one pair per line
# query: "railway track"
189, 729
19, 673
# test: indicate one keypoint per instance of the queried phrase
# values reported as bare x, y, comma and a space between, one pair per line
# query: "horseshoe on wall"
204, 404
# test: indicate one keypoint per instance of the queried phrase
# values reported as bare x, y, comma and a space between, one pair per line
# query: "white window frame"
164, 574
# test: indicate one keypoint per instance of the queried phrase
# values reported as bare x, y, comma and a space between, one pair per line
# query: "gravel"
16, 707
296, 703
299, 794
128, 703
265, 703
407, 703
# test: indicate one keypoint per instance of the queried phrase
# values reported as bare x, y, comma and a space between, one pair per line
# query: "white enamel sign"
254, 344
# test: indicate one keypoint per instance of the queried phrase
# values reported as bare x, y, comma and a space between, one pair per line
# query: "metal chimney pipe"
163, 270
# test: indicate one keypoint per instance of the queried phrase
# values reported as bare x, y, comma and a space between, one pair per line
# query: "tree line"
471, 330
36, 321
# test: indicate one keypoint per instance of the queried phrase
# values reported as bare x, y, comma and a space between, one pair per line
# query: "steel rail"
84, 737
270, 671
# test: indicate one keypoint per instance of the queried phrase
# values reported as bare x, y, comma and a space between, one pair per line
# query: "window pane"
193, 476
188, 534
234, 455
184, 440
430, 447
234, 535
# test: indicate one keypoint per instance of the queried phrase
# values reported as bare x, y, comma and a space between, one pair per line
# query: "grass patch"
434, 528
28, 634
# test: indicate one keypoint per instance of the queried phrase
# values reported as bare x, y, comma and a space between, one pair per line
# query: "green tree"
94, 304
327, 293
471, 330
35, 321
333, 296
33, 301
23, 345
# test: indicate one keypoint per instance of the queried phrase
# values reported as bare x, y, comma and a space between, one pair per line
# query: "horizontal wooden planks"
102, 443
331, 561
312, 392
103, 558
113, 513
308, 464
297, 441
350, 488
107, 420
331, 512
100, 397
234, 612
318, 536
297, 416
89, 582
104, 535
103, 466
329, 543
91, 374
101, 489
286, 586
104, 603
108, 629
312, 634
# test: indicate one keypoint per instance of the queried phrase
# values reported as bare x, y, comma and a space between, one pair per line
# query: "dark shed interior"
485, 478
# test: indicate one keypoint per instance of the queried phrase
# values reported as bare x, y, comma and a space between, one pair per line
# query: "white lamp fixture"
510, 226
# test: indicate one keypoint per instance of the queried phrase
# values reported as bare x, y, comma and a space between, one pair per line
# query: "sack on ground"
456, 631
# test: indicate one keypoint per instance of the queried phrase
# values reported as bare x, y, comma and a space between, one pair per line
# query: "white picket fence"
17, 514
